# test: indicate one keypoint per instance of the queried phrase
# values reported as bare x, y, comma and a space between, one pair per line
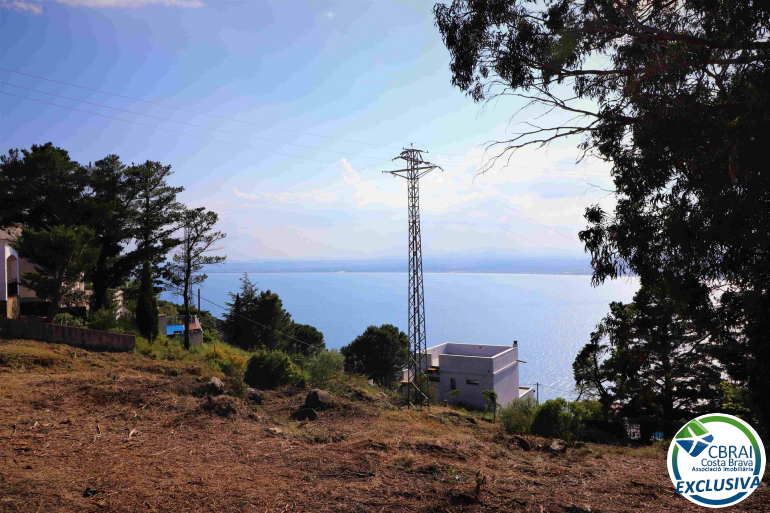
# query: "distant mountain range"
543, 265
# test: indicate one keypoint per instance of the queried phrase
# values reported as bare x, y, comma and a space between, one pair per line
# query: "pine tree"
184, 271
649, 362
157, 211
147, 304
61, 256
230, 325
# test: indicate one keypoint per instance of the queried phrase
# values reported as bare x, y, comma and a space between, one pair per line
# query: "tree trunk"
52, 309
187, 305
99, 296
53, 306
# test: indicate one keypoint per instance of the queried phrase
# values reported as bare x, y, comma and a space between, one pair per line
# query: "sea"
550, 315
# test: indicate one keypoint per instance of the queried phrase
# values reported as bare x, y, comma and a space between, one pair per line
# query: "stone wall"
78, 337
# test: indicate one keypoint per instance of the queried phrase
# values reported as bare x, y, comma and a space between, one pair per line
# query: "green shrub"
225, 358
271, 369
142, 346
66, 319
102, 320
324, 365
516, 417
490, 402
557, 418
164, 348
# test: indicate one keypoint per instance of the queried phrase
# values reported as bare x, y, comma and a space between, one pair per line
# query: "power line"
158, 104
168, 130
260, 324
226, 118
208, 139
159, 118
190, 124
571, 170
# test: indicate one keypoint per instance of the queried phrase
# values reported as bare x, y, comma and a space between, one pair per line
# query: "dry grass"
132, 428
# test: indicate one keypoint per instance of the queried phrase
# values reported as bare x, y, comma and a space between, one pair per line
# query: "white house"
12, 293
9, 279
471, 368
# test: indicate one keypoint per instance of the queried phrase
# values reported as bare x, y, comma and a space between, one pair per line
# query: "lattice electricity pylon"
417, 361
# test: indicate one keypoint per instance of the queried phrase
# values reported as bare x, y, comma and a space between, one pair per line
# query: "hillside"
131, 432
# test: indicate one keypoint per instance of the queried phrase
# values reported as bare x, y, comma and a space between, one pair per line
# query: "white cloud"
243, 195
365, 191
19, 6
259, 200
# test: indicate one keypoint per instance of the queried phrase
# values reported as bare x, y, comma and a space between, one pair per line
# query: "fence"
78, 337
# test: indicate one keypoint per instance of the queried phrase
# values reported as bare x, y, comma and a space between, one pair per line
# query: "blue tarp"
173, 329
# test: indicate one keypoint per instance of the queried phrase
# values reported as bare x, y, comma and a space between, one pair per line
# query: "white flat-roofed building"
471, 368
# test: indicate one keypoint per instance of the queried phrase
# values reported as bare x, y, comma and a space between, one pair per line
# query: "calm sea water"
551, 316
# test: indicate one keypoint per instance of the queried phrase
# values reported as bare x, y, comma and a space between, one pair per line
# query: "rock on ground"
318, 399
213, 387
523, 443
254, 396
305, 414
222, 405
557, 446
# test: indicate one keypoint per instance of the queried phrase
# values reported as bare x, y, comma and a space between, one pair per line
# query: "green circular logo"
716, 460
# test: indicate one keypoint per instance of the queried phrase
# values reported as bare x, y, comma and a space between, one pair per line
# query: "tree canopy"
257, 319
648, 361
131, 210
184, 271
61, 256
379, 353
675, 96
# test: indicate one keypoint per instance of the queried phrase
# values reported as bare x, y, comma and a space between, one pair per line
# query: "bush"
102, 320
66, 319
224, 357
557, 418
271, 369
164, 348
322, 366
516, 417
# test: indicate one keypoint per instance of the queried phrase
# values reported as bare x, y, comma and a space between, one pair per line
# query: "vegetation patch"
272, 369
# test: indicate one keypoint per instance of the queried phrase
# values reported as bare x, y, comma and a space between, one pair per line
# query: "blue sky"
314, 92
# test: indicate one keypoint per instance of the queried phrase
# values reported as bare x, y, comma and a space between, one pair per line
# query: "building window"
471, 382
434, 378
453, 383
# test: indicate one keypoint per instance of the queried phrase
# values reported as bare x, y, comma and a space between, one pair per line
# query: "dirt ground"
82, 431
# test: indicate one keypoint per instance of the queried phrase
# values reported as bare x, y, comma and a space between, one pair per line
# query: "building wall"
493, 367
4, 254
527, 394
507, 385
80, 337
196, 338
470, 395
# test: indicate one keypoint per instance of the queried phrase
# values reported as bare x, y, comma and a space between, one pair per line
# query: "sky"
282, 117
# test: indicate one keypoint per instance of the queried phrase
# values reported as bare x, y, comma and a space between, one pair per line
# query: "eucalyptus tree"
674, 95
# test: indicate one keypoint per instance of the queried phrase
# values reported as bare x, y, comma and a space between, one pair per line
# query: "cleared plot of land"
130, 432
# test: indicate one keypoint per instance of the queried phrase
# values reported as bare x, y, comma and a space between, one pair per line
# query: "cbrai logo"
716, 460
